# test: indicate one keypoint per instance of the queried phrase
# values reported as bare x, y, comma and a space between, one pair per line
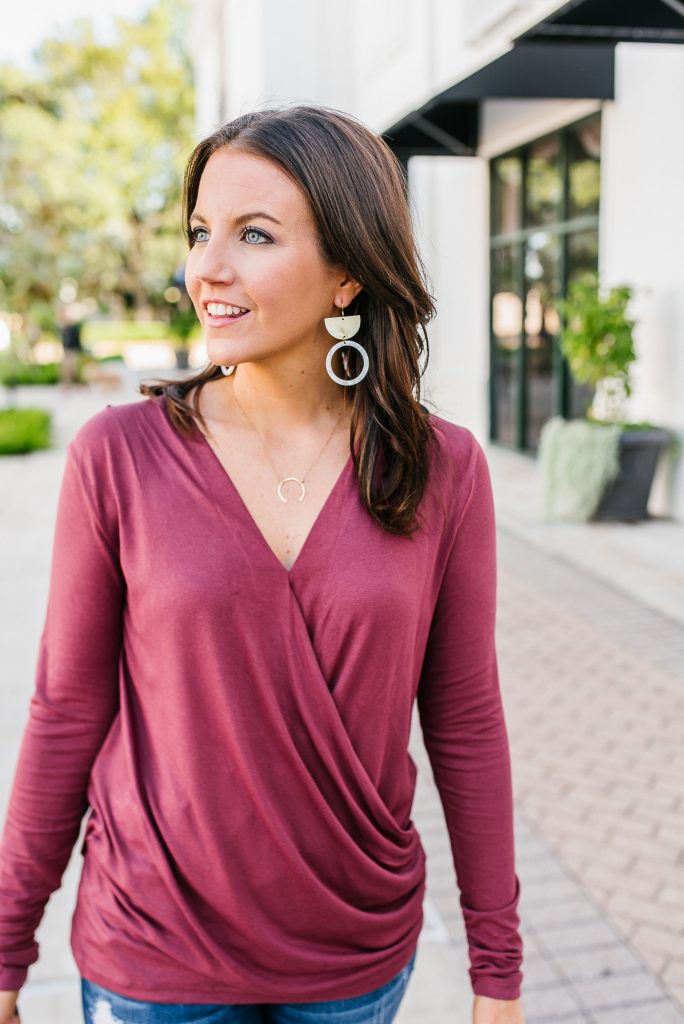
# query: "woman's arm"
463, 726
72, 707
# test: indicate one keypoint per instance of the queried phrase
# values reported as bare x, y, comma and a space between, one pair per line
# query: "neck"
286, 404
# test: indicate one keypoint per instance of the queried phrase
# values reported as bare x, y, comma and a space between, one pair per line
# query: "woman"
256, 573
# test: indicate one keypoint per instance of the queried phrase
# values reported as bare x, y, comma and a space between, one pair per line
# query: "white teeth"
219, 309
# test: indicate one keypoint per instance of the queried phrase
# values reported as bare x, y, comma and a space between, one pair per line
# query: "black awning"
542, 71
437, 129
448, 123
569, 55
640, 21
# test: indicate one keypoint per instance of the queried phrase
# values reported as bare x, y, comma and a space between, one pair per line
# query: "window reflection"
584, 146
506, 185
507, 328
543, 285
544, 181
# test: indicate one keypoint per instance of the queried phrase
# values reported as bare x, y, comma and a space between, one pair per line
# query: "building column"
449, 205
642, 232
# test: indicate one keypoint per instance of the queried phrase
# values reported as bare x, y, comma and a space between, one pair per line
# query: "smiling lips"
219, 313
221, 309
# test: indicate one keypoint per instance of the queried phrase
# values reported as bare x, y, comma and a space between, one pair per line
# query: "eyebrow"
242, 218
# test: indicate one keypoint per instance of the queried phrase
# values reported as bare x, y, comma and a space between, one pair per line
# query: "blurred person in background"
71, 326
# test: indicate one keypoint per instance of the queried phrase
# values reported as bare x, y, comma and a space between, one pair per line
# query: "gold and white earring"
344, 328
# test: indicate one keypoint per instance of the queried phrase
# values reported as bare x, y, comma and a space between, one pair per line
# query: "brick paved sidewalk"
595, 708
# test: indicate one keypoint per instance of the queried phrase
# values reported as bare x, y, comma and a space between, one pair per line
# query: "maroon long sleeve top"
238, 731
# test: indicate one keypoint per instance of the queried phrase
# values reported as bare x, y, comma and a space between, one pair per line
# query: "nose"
211, 263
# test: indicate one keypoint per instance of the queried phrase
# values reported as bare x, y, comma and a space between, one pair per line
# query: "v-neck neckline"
317, 524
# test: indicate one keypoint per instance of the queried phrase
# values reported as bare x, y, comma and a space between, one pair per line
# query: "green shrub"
24, 430
14, 373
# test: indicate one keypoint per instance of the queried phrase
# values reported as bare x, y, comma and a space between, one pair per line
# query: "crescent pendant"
295, 478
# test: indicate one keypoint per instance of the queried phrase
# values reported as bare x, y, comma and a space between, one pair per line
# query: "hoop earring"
344, 329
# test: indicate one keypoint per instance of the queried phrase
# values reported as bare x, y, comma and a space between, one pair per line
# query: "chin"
218, 355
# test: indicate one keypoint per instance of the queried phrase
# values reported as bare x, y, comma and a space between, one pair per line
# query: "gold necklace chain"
286, 478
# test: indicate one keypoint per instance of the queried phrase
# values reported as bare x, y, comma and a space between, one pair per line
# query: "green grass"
123, 331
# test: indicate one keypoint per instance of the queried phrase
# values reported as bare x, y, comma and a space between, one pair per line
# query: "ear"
347, 290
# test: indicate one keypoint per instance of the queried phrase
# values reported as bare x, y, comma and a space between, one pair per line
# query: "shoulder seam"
476, 458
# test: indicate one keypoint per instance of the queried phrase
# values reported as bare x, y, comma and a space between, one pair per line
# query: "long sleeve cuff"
12, 978
495, 948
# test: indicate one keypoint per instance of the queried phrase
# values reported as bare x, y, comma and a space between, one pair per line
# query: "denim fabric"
102, 1006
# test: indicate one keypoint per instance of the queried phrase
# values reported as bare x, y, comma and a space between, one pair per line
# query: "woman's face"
255, 246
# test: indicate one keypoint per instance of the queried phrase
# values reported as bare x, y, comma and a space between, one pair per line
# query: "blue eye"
197, 233
248, 229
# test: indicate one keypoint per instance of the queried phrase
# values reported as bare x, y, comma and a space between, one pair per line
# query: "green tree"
92, 148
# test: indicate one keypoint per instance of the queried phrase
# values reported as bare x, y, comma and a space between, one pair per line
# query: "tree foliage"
92, 148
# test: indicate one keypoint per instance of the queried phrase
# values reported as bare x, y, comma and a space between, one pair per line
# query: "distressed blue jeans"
102, 1006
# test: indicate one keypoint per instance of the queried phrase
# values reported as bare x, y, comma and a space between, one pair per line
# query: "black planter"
626, 498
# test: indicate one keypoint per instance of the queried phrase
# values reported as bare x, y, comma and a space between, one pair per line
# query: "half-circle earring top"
344, 328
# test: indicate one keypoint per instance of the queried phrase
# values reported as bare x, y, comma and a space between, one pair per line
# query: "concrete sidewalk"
643, 559
589, 676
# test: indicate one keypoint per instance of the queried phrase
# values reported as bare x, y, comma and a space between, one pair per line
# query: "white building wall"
394, 59
271, 53
642, 228
205, 44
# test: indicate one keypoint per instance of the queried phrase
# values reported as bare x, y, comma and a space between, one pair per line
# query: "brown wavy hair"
358, 194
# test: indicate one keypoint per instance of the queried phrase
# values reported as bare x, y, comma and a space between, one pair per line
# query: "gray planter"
626, 499
182, 359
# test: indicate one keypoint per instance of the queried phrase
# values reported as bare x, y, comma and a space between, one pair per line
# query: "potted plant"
600, 466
